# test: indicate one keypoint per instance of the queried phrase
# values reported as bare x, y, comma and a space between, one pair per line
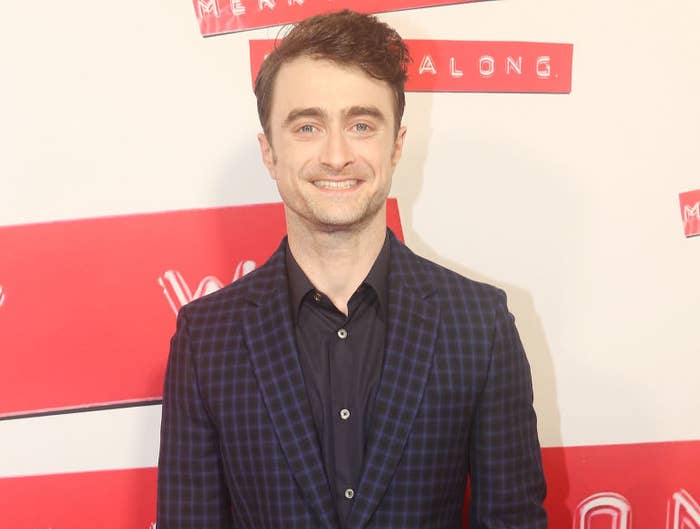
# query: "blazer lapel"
270, 338
411, 334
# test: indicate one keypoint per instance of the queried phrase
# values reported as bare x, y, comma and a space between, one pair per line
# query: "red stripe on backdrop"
591, 487
115, 499
226, 16
88, 306
474, 66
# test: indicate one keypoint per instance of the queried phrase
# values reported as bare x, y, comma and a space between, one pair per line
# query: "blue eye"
307, 128
361, 127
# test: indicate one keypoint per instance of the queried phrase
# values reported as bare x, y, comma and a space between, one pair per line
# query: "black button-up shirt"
341, 360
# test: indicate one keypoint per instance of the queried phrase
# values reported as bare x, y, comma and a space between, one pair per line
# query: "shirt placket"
344, 414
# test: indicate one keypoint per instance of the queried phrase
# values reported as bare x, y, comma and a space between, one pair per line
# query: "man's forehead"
311, 63
307, 82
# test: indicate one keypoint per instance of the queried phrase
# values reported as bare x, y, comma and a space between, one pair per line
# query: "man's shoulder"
238, 295
443, 281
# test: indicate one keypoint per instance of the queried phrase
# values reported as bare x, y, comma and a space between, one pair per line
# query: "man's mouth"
335, 184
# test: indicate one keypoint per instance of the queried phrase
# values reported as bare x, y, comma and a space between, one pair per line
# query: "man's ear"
398, 146
268, 155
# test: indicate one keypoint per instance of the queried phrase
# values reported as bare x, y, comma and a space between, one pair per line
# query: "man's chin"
343, 220
339, 223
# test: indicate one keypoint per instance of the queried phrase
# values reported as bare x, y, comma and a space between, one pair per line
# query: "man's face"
333, 148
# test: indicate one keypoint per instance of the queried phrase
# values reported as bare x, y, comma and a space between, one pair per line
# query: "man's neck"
336, 262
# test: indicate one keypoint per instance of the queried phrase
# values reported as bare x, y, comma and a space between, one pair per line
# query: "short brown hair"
346, 38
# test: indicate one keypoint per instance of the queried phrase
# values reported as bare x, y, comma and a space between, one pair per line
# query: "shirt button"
342, 334
317, 297
345, 414
349, 494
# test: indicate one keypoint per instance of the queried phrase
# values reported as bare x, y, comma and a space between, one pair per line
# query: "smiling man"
347, 383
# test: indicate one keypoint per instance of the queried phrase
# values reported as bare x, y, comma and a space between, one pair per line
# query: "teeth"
334, 184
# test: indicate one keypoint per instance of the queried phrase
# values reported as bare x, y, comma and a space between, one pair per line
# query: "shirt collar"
377, 279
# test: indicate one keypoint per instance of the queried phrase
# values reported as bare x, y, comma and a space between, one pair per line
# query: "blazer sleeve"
507, 481
192, 492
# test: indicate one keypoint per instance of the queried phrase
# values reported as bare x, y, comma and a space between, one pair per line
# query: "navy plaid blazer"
238, 444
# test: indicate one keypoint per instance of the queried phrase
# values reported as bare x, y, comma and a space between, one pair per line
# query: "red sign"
226, 16
87, 307
606, 487
589, 487
474, 66
690, 212
114, 499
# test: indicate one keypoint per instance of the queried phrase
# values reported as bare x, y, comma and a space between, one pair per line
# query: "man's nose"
336, 153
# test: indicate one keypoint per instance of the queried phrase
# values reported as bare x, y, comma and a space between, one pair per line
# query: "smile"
335, 184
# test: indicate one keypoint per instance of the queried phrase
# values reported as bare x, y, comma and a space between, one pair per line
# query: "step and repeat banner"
463, 66
94, 332
549, 149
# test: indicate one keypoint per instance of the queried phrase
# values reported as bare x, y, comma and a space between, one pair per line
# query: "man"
347, 383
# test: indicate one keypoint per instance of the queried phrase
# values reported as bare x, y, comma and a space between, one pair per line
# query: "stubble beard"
342, 212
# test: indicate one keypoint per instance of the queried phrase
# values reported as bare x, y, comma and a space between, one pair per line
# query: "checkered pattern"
238, 445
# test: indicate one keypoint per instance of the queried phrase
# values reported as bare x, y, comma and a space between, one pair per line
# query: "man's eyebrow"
309, 112
370, 111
